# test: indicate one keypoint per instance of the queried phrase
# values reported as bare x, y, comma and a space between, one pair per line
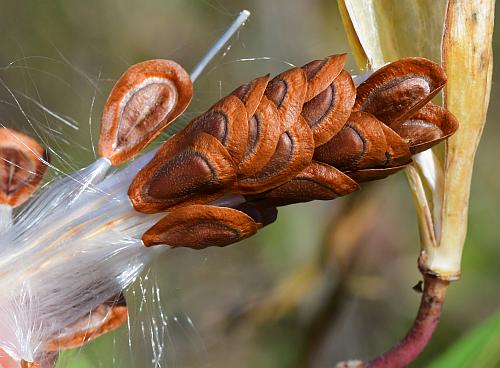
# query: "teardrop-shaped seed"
318, 181
105, 318
227, 121
287, 91
201, 226
328, 112
293, 153
146, 98
251, 93
22, 166
427, 127
202, 169
360, 144
321, 73
263, 135
395, 92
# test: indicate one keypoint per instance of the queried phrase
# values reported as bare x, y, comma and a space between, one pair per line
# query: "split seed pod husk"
396, 91
201, 226
23, 163
146, 98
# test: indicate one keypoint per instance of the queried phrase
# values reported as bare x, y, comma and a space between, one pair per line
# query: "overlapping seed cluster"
306, 134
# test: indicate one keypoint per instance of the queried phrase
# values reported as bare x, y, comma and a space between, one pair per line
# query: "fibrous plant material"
439, 178
306, 134
301, 136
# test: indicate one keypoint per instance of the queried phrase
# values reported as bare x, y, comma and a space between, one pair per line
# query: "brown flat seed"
293, 153
105, 318
328, 112
22, 167
227, 121
197, 173
318, 181
360, 144
365, 175
146, 98
251, 94
321, 73
397, 151
287, 91
395, 92
427, 127
201, 226
263, 135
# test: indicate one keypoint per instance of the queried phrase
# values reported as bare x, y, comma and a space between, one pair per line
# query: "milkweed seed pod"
306, 134
22, 167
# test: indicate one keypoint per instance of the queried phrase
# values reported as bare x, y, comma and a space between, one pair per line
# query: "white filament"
77, 245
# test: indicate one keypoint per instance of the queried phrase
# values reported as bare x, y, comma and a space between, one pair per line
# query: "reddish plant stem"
422, 329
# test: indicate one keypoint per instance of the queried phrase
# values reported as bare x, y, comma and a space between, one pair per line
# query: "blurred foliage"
66, 54
477, 349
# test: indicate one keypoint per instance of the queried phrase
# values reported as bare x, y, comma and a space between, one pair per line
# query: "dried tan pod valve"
201, 226
22, 167
146, 98
395, 92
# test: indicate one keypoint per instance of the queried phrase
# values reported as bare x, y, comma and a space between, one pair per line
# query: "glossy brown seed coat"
251, 94
201, 169
318, 181
429, 126
200, 226
22, 166
396, 91
146, 98
321, 73
328, 112
257, 147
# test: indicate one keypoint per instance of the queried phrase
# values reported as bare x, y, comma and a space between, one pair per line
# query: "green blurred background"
325, 283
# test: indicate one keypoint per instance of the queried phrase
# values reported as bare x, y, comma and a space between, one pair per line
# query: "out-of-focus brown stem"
422, 330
